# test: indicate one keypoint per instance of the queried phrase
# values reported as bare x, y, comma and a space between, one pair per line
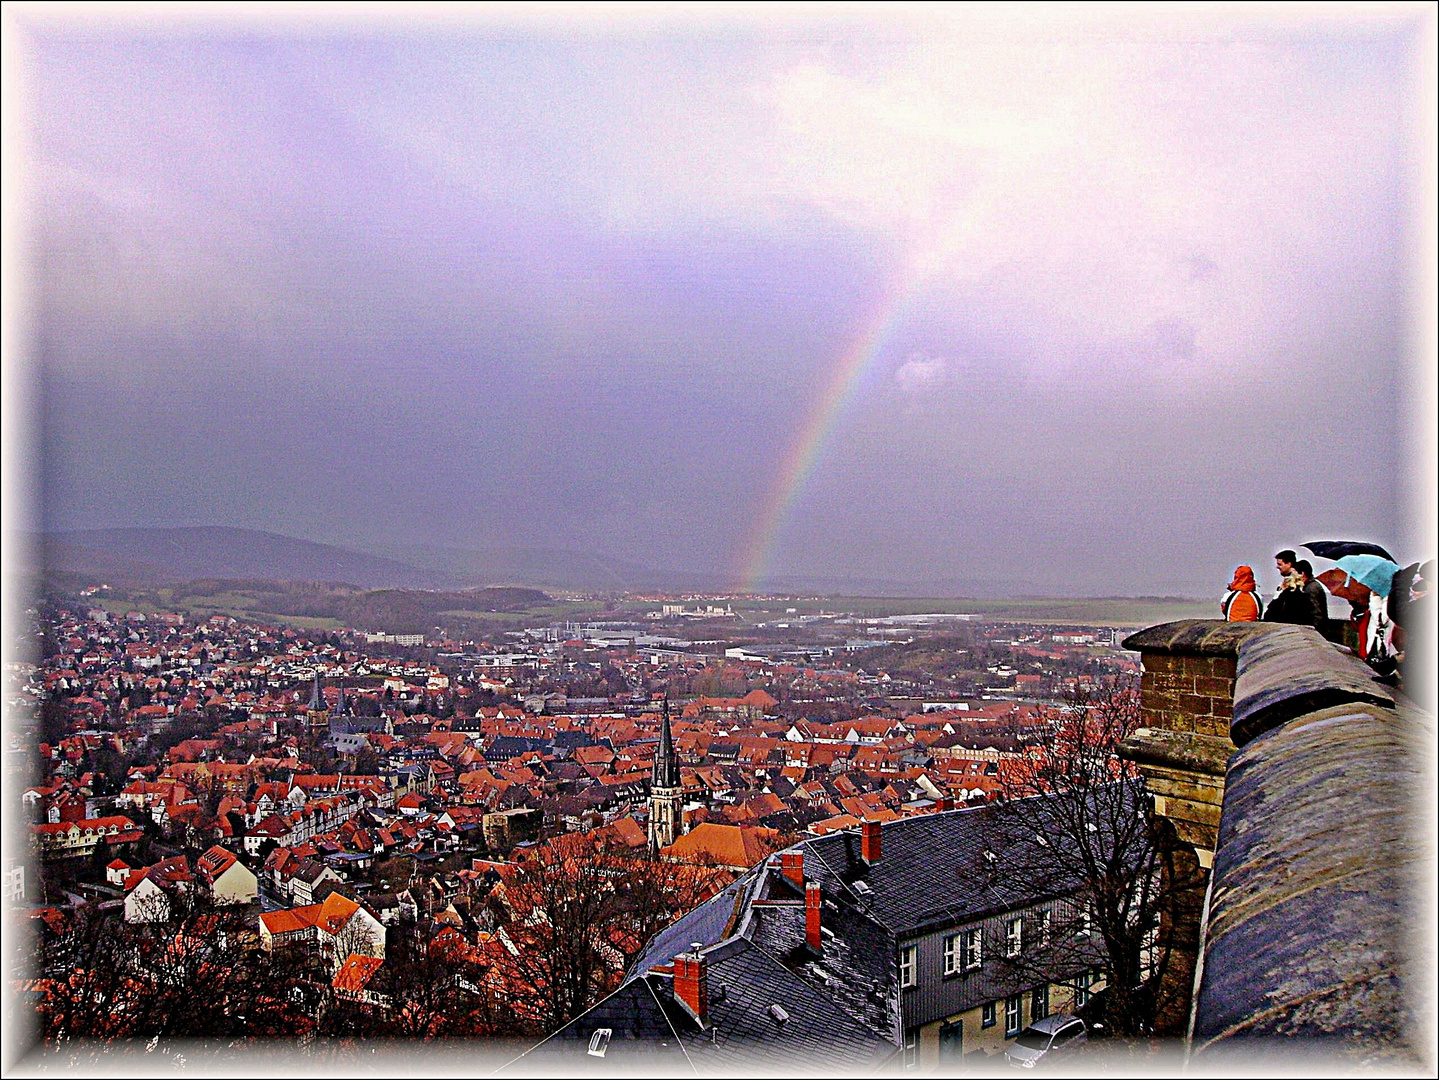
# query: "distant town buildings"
343, 793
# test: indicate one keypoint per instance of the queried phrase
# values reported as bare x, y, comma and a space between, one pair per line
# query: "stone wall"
1314, 911
1188, 693
1242, 704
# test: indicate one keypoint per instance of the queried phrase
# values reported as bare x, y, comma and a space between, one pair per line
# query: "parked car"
1054, 1036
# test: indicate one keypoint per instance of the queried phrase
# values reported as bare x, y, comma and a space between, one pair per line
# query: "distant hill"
184, 554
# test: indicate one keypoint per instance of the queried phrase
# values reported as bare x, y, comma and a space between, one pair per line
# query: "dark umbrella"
1337, 549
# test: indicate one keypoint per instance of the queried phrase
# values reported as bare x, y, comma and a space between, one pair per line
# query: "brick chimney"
791, 865
945, 803
812, 901
692, 982
870, 841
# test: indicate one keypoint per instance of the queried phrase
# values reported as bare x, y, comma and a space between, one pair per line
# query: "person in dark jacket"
1411, 604
1284, 562
1317, 593
1291, 605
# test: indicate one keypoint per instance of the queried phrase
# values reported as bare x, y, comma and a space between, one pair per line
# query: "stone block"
1214, 686
1187, 786
1196, 705
1195, 813
1212, 725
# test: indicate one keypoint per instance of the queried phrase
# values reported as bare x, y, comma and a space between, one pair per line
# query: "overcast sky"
1088, 306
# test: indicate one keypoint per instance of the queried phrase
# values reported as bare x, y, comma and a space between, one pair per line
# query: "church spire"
666, 789
667, 765
317, 699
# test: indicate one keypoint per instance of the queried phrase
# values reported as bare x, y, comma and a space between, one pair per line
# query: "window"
1086, 922
1013, 1008
962, 951
971, 952
1081, 992
1067, 1033
1014, 936
908, 973
987, 1015
1046, 919
911, 1048
1038, 1003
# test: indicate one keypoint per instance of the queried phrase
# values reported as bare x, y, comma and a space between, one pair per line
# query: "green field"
489, 611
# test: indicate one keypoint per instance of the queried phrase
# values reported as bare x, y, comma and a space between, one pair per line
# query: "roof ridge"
862, 902
619, 989
649, 988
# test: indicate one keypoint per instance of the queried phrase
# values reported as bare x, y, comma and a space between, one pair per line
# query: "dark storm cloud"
580, 291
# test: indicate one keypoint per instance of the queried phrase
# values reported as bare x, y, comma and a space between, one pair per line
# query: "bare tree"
1085, 832
653, 892
571, 919
193, 970
360, 936
555, 913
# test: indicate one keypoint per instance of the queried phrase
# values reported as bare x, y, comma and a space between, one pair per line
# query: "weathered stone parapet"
1282, 769
1294, 671
1186, 702
1188, 693
1313, 903
1190, 669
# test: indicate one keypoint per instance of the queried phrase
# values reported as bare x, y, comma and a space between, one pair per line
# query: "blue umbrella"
1374, 573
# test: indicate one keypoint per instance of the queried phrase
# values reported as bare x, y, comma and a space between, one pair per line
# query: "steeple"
340, 709
666, 789
317, 699
667, 766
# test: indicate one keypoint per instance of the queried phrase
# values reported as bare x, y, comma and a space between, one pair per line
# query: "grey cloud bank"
1144, 291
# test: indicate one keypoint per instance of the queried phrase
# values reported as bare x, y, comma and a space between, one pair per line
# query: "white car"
1053, 1036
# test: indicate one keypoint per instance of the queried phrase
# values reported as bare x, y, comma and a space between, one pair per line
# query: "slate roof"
745, 981
932, 867
741, 1032
708, 924
843, 1005
504, 747
644, 1039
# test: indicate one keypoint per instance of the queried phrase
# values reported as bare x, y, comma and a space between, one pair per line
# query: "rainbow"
845, 380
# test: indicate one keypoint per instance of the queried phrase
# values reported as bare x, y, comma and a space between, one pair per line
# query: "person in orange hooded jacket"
1241, 603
